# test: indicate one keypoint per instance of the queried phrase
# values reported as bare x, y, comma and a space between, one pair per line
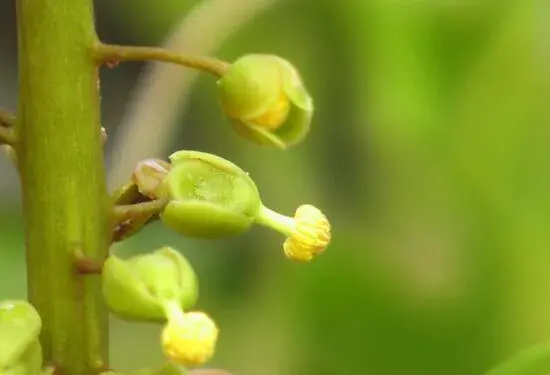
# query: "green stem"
275, 220
138, 210
528, 361
112, 53
65, 199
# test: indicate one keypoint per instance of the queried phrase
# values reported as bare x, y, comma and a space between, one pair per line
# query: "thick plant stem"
63, 181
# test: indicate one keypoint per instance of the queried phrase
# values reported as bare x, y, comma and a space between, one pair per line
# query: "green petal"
257, 134
20, 327
126, 295
159, 274
296, 127
251, 85
202, 219
294, 87
185, 156
188, 281
210, 196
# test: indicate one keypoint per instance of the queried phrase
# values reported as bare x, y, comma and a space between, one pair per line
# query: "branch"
113, 54
85, 265
124, 213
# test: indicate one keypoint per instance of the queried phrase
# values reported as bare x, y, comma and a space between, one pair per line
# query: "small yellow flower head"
311, 234
190, 340
266, 100
149, 175
308, 232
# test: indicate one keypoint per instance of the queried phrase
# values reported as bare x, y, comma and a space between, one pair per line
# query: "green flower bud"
138, 288
20, 351
266, 101
210, 197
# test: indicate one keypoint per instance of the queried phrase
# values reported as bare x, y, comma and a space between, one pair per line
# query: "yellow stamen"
275, 116
310, 236
190, 340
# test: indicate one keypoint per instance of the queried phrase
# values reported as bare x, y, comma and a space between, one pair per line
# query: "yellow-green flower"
266, 100
137, 288
209, 197
308, 232
189, 338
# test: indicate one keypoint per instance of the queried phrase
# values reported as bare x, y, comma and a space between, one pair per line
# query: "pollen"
190, 341
311, 235
275, 116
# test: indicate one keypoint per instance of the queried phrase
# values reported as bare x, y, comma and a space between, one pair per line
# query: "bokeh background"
429, 153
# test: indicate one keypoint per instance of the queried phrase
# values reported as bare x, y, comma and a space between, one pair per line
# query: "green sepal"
138, 288
20, 327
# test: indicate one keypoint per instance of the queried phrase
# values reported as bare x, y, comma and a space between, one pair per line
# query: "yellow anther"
311, 234
275, 116
191, 339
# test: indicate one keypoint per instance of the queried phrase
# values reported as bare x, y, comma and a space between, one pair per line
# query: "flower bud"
20, 325
189, 339
308, 232
149, 175
266, 101
210, 197
138, 288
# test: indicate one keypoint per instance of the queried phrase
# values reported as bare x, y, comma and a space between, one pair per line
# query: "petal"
126, 295
202, 219
294, 87
258, 134
188, 278
296, 127
251, 86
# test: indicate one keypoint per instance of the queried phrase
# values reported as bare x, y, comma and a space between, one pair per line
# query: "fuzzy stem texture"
65, 200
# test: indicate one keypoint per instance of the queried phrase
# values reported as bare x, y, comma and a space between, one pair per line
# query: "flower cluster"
207, 196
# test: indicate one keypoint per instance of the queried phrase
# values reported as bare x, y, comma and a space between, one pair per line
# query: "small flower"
189, 339
308, 232
149, 175
137, 288
266, 100
209, 197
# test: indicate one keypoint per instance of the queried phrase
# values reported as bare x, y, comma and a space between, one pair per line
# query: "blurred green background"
429, 153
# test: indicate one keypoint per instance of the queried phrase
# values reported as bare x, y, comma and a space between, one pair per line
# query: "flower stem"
107, 53
275, 220
138, 210
65, 199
